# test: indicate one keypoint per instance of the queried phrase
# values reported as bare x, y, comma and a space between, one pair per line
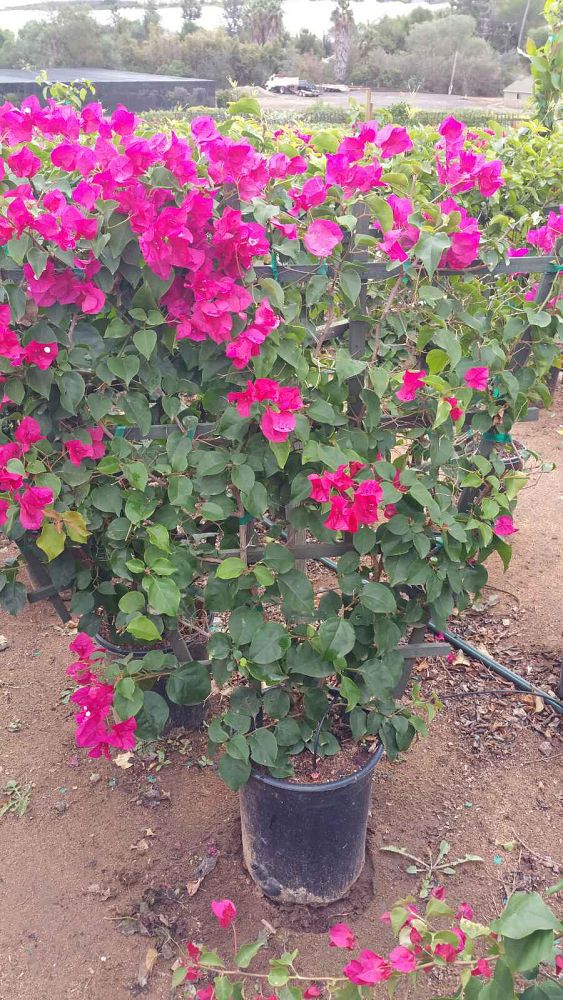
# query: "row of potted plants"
175, 401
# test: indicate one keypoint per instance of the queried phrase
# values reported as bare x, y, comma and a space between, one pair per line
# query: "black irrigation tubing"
476, 654
498, 668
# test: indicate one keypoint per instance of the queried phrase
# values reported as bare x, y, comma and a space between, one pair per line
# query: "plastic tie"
555, 268
497, 437
323, 268
246, 519
120, 431
274, 265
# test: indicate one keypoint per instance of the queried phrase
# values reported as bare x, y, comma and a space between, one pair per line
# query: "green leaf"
337, 637
269, 643
525, 913
278, 557
436, 360
137, 474
502, 986
346, 367
159, 536
71, 390
350, 284
145, 342
189, 684
350, 692
242, 476
543, 991
244, 623
163, 595
378, 598
231, 568
131, 602
264, 575
297, 593
263, 747
178, 976
246, 953
235, 773
382, 211
153, 717
245, 106
430, 248
443, 411
143, 629
281, 450
124, 368
128, 698
107, 499
13, 597
51, 541
526, 953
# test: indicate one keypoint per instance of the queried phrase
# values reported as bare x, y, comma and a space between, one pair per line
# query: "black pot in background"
306, 843
189, 717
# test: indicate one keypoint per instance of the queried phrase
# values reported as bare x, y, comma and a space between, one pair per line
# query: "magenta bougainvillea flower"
341, 936
477, 378
456, 412
412, 382
322, 237
24, 163
278, 420
504, 526
368, 968
224, 910
402, 960
393, 139
33, 502
27, 433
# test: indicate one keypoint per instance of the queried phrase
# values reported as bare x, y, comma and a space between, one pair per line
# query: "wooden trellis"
358, 331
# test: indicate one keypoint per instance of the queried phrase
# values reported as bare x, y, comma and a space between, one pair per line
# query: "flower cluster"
40, 355
31, 500
277, 420
352, 503
461, 169
93, 726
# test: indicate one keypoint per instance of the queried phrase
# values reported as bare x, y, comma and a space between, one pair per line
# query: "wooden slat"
379, 271
310, 550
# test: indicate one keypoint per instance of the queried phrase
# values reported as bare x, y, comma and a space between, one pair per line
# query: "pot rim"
324, 786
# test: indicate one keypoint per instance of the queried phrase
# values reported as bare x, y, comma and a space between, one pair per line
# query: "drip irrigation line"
497, 668
476, 654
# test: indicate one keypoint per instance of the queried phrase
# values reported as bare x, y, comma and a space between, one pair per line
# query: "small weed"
16, 799
430, 868
64, 696
14, 726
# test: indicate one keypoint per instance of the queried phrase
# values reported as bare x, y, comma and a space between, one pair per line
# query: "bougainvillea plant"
516, 956
173, 404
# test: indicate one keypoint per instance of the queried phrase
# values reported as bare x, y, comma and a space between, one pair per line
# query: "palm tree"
264, 20
342, 32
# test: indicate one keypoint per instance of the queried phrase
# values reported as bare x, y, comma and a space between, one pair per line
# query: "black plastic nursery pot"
190, 717
306, 843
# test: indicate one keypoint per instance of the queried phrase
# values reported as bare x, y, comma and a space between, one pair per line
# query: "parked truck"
292, 85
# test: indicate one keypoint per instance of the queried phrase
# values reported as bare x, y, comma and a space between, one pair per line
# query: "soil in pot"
305, 842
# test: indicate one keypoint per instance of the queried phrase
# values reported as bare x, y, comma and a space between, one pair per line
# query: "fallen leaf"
96, 890
123, 760
146, 967
141, 845
206, 865
540, 705
461, 659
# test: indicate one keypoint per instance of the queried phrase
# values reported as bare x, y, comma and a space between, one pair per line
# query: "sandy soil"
97, 869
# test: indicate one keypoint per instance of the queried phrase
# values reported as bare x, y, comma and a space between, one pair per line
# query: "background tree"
69, 38
151, 17
191, 12
342, 33
233, 15
263, 20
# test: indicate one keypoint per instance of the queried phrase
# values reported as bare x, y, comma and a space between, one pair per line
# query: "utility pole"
451, 86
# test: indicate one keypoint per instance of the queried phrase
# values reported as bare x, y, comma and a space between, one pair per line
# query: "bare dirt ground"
383, 99
97, 869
